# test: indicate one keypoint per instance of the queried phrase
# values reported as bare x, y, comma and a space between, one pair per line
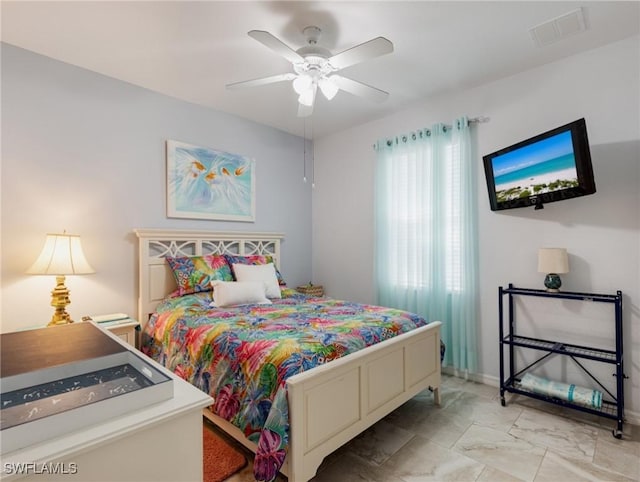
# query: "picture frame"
205, 183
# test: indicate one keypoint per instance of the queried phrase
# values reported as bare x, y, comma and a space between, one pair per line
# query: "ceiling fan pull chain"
304, 150
313, 156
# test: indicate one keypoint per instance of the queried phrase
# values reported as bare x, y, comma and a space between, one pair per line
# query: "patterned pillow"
194, 274
254, 259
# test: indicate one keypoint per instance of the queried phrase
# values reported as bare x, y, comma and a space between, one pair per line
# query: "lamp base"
552, 282
60, 319
60, 300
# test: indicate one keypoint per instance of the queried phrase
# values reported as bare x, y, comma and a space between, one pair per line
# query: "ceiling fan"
314, 66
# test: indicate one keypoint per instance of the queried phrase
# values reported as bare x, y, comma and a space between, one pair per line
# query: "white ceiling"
190, 50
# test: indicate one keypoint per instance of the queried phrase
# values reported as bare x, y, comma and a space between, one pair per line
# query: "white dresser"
160, 442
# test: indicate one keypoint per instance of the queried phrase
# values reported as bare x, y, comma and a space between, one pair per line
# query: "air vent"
558, 28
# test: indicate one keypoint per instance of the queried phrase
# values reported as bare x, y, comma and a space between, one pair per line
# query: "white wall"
601, 232
86, 153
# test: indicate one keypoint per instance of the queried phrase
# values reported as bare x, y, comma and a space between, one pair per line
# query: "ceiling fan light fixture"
302, 84
308, 96
328, 87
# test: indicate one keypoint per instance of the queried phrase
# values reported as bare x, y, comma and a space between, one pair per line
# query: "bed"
371, 382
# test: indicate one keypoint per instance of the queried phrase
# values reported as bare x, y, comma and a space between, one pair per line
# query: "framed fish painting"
204, 183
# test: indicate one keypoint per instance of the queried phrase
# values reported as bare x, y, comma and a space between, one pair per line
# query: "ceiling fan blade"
358, 88
276, 45
305, 110
262, 81
365, 51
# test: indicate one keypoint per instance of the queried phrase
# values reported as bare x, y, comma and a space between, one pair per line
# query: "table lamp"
61, 255
553, 262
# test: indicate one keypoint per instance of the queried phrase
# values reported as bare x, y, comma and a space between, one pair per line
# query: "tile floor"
471, 437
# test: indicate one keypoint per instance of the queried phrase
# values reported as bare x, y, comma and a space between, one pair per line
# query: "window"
412, 218
426, 241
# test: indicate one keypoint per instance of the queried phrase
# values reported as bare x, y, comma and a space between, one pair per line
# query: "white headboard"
155, 278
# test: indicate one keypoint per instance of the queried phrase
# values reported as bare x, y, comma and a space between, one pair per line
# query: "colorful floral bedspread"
243, 355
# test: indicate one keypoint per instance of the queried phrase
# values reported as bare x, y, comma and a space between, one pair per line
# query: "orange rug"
220, 460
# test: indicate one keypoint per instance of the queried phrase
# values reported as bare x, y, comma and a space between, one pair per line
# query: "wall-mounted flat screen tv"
549, 167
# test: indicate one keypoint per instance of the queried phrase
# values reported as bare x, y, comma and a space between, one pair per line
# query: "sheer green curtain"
426, 233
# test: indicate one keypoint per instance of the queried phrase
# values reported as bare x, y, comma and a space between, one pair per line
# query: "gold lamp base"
60, 300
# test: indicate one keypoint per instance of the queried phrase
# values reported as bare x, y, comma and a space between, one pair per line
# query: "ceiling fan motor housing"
312, 34
313, 54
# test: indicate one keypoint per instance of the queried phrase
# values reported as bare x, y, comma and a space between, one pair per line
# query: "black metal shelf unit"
613, 408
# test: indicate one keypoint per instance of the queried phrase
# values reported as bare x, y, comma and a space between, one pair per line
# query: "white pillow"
232, 293
259, 272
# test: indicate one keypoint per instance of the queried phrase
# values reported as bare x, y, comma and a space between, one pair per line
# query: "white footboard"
331, 404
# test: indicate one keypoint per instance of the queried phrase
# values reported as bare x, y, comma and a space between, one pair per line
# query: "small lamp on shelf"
553, 262
61, 255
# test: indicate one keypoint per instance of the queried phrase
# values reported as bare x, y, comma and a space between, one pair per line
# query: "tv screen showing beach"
545, 166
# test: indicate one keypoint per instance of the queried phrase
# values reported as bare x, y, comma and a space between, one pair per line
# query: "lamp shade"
302, 83
553, 260
61, 255
328, 87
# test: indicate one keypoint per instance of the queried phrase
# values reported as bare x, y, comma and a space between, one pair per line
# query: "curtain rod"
481, 119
